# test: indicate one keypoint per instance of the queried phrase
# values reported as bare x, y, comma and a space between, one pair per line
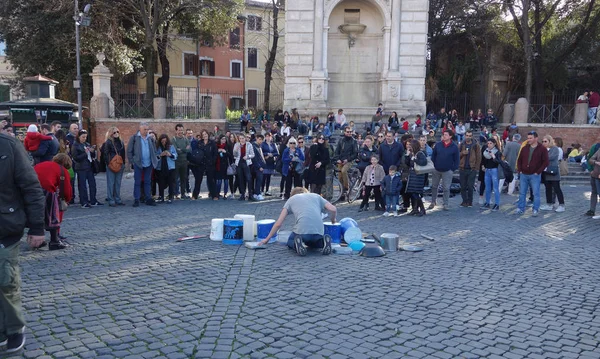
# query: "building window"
207, 68
236, 103
234, 38
254, 23
352, 16
252, 58
190, 64
252, 98
236, 69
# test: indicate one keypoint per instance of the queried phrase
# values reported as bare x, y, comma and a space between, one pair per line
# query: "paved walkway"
490, 285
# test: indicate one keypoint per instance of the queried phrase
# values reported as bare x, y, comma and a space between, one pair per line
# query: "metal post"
79, 106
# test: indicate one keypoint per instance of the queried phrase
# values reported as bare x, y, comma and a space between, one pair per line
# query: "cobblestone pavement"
491, 285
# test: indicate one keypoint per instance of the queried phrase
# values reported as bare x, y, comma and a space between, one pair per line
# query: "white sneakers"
550, 207
596, 217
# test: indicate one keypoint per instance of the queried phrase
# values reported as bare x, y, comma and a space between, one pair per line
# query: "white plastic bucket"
216, 229
248, 226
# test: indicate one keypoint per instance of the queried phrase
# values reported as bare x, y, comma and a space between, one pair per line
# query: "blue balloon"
346, 223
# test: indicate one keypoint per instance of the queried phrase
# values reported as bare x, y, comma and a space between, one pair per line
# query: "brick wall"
128, 127
586, 135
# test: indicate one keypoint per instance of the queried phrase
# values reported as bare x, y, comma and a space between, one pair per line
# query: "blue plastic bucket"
334, 230
347, 223
263, 228
233, 231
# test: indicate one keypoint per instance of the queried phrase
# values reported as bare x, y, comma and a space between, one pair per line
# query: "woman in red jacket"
49, 174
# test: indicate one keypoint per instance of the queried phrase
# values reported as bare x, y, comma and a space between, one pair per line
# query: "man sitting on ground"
308, 228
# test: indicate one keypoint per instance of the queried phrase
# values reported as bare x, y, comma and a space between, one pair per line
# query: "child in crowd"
33, 139
391, 185
371, 182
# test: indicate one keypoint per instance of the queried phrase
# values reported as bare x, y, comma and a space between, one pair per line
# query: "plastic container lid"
352, 235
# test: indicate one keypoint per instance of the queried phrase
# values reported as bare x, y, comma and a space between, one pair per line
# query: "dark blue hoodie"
390, 155
445, 158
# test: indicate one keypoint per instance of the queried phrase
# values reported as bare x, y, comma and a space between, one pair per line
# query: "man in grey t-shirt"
308, 226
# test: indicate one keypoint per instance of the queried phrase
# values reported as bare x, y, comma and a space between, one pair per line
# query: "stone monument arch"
353, 54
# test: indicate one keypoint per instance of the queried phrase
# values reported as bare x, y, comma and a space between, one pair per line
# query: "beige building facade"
353, 54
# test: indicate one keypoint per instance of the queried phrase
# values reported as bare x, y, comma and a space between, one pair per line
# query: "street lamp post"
80, 20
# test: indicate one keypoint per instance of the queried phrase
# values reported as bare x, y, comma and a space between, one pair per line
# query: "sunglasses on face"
114, 133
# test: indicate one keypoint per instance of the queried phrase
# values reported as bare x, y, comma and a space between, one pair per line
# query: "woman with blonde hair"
551, 177
113, 146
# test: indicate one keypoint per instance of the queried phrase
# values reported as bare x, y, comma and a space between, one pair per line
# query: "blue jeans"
391, 200
226, 185
311, 240
525, 181
331, 126
592, 114
83, 178
491, 182
138, 174
113, 186
460, 137
258, 181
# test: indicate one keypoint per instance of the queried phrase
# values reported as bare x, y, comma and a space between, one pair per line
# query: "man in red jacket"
532, 161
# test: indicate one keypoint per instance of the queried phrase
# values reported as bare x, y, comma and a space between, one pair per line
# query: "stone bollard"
580, 117
521, 111
160, 108
217, 107
509, 113
100, 106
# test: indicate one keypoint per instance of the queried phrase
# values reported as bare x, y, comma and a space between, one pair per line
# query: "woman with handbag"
292, 166
83, 155
319, 159
114, 155
243, 152
416, 182
271, 155
551, 177
224, 160
56, 183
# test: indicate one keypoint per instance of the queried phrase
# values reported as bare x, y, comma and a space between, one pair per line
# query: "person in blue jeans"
308, 230
489, 163
391, 186
141, 153
532, 161
112, 147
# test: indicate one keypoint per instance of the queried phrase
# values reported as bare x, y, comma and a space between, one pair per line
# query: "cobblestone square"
491, 285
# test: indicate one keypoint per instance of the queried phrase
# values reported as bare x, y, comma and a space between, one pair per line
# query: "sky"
2, 48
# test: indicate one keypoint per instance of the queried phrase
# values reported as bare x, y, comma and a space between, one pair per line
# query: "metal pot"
389, 242
372, 250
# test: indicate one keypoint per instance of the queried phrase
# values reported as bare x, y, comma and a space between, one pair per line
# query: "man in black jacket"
346, 154
21, 205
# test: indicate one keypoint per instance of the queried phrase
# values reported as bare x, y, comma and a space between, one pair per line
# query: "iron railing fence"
188, 102
553, 107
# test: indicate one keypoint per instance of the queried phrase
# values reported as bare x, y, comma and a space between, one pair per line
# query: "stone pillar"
160, 108
521, 111
580, 117
101, 85
325, 44
318, 48
386, 54
217, 107
395, 36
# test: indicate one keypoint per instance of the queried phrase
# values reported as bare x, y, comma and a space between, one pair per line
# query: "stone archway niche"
355, 61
